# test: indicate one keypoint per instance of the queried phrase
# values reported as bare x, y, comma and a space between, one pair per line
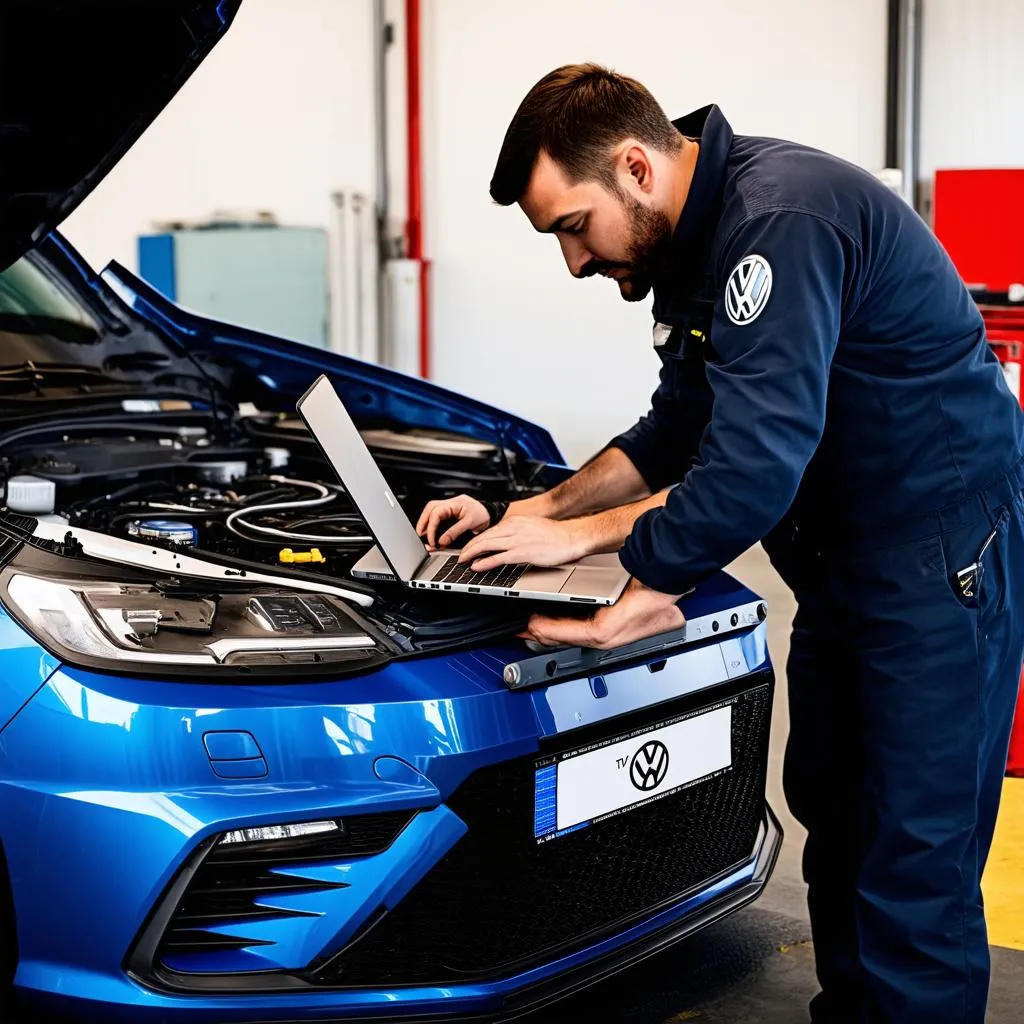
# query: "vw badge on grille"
649, 766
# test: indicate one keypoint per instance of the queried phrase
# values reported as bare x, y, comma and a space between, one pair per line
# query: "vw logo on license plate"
649, 766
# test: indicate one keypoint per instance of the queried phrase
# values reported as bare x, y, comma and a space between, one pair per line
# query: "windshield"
38, 316
56, 330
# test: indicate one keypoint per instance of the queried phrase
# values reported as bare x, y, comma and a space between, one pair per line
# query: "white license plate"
622, 774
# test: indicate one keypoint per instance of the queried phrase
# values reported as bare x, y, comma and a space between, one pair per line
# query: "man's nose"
575, 254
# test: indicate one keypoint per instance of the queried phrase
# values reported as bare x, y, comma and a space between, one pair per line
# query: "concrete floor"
757, 967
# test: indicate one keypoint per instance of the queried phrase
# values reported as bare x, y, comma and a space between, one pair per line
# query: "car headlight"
139, 625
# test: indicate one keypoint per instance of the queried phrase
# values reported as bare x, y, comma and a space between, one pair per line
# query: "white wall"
972, 84
510, 325
281, 114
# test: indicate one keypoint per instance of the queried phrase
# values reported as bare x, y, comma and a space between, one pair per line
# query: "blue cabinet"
271, 278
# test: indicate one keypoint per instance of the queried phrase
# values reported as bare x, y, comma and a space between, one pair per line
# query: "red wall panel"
978, 216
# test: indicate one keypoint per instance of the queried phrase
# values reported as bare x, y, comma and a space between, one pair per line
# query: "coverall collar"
704, 202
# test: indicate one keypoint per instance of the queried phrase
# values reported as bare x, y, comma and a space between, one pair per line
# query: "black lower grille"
232, 876
499, 900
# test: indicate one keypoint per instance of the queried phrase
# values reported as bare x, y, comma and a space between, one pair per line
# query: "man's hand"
639, 613
471, 516
531, 539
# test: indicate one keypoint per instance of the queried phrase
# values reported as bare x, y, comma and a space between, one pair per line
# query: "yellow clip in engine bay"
289, 557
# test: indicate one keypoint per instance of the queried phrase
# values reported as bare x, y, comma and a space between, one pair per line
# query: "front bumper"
113, 798
498, 1001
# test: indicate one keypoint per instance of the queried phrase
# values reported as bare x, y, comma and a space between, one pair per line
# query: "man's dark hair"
577, 114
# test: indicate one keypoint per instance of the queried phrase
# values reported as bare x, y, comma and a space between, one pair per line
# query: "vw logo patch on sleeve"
747, 289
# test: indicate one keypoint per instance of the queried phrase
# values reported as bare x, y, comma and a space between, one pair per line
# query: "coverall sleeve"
770, 382
663, 444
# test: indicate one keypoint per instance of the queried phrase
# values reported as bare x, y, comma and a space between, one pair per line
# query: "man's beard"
649, 253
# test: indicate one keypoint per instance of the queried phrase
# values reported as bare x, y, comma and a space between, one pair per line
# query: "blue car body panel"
108, 787
112, 786
26, 667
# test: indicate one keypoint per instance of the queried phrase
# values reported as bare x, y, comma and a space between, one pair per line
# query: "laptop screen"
333, 430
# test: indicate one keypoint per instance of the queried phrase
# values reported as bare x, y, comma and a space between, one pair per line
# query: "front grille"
499, 901
233, 878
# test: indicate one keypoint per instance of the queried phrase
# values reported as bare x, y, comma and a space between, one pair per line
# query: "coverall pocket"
971, 552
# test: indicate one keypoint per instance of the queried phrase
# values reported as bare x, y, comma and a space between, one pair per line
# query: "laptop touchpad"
549, 580
590, 582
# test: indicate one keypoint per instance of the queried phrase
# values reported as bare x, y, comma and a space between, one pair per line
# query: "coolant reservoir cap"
168, 530
222, 472
31, 495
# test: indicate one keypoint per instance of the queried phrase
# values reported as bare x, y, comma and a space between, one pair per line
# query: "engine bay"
268, 497
166, 511
260, 496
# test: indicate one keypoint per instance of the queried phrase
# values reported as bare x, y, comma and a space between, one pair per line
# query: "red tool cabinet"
978, 215
1015, 763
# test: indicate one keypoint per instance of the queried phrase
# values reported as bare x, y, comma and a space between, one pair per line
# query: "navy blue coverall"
827, 388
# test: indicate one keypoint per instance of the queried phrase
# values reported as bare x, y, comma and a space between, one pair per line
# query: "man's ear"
637, 165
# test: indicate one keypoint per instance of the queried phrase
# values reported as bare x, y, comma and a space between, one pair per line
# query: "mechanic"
826, 387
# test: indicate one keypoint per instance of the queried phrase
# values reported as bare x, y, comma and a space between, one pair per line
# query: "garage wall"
972, 84
510, 325
279, 116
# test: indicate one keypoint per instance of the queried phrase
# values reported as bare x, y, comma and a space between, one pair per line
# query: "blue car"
237, 784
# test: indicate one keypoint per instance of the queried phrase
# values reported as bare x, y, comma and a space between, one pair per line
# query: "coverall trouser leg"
902, 690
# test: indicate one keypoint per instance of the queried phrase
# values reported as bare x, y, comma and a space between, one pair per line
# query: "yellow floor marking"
1004, 874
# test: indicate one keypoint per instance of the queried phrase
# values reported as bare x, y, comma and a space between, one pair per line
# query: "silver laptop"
591, 581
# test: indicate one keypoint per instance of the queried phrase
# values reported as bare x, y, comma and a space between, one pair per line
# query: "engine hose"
132, 488
325, 495
348, 518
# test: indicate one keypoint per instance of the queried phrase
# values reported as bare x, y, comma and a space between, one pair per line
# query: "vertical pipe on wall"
903, 94
339, 340
358, 201
892, 86
381, 41
412, 86
414, 224
912, 113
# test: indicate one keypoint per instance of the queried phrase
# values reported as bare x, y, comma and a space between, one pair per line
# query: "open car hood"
80, 81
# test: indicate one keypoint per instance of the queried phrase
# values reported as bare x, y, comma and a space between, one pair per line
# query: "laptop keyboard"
455, 572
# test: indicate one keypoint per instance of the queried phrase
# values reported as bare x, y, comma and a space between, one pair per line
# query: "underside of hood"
80, 81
